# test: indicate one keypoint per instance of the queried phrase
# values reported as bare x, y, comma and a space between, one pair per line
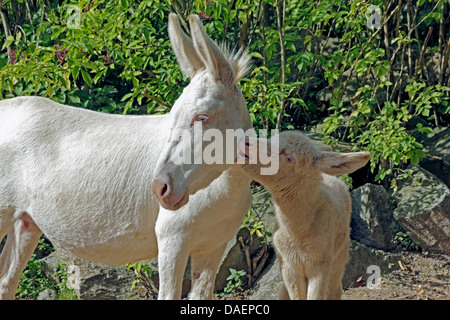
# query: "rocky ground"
419, 277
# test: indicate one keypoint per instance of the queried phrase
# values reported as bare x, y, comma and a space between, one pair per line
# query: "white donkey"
85, 179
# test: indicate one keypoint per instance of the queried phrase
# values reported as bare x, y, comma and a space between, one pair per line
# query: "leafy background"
314, 62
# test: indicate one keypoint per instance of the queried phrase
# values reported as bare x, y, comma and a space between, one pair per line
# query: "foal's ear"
213, 59
335, 163
183, 47
324, 147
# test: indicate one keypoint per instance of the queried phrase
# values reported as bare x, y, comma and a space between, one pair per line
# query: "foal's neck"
298, 202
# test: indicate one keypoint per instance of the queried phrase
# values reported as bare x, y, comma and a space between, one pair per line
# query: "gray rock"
361, 258
234, 257
372, 217
423, 209
49, 266
270, 283
97, 281
437, 149
47, 294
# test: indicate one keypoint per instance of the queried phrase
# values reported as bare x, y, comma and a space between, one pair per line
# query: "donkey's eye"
203, 118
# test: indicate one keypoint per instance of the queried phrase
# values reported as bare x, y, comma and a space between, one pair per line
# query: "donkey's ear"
183, 47
335, 163
213, 59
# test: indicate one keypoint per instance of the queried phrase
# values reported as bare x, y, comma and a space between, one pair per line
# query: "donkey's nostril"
160, 188
164, 190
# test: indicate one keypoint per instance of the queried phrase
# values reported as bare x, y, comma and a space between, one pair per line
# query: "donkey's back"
83, 177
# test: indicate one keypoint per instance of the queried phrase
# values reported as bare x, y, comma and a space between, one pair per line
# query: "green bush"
33, 279
115, 56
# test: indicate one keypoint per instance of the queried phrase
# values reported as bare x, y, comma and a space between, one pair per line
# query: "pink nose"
160, 189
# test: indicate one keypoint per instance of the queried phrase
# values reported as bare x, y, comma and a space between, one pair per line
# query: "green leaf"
256, 55
75, 72
8, 42
242, 16
86, 77
50, 91
74, 99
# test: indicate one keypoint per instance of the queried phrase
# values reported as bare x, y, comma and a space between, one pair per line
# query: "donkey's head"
209, 105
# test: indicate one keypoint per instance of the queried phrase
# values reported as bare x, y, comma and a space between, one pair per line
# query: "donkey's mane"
238, 59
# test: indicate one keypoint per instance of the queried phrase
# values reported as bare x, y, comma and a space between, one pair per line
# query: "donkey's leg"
204, 267
172, 259
20, 244
6, 222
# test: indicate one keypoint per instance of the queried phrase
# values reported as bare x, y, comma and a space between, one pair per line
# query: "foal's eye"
203, 118
289, 158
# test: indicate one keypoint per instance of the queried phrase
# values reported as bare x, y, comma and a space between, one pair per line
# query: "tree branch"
149, 96
341, 92
4, 16
280, 26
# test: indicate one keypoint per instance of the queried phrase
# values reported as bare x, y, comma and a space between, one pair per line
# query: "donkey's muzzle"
169, 198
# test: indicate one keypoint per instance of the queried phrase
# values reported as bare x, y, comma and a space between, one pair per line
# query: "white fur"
313, 213
84, 179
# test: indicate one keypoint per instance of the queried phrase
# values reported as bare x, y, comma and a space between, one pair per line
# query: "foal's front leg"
294, 280
318, 281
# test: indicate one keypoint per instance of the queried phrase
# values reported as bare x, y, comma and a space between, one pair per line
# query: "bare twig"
386, 34
4, 16
369, 41
414, 28
224, 36
281, 12
263, 34
443, 50
399, 17
444, 62
246, 249
259, 262
182, 16
441, 39
42, 20
409, 22
400, 79
422, 54
149, 96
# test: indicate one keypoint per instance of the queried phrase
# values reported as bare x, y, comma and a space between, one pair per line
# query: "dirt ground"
419, 277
